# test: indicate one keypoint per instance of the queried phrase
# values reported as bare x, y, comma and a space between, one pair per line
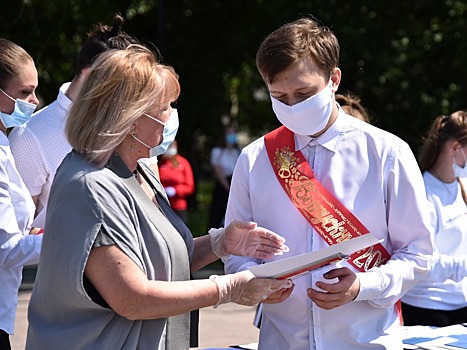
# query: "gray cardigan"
84, 198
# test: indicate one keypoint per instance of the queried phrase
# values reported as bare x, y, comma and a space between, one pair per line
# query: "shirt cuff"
370, 285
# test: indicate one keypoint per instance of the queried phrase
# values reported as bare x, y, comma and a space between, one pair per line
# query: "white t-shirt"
373, 174
225, 158
40, 145
449, 221
17, 247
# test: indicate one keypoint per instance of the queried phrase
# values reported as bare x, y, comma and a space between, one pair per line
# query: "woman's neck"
129, 152
443, 171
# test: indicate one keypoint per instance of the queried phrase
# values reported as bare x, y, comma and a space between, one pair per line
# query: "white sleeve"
29, 159
215, 156
16, 248
448, 267
408, 222
444, 266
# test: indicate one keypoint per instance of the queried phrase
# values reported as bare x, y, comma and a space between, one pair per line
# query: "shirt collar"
63, 99
330, 139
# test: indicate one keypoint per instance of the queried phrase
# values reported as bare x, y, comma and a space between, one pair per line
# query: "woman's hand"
244, 238
245, 289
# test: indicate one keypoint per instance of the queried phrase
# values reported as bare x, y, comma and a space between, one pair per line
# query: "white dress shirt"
17, 247
40, 145
375, 175
449, 237
225, 158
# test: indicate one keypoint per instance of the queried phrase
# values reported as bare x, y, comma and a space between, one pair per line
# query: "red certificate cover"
296, 265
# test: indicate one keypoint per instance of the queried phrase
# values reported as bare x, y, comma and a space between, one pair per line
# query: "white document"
299, 264
39, 221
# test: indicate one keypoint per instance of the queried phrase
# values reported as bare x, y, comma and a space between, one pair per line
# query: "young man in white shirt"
40, 145
364, 170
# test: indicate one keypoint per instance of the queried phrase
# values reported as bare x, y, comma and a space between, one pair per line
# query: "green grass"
198, 215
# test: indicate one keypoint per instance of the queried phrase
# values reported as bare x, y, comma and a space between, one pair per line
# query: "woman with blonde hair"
441, 299
18, 82
116, 261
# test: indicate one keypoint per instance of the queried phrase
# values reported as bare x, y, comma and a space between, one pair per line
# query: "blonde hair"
120, 87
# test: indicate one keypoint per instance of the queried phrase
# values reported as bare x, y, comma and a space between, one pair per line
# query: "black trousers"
416, 316
4, 340
220, 196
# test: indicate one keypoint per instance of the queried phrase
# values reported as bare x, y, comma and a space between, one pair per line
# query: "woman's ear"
453, 147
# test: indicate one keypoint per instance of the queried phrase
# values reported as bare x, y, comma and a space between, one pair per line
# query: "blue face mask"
168, 135
460, 171
21, 114
231, 139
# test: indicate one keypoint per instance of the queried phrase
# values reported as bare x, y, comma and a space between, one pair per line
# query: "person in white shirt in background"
40, 145
371, 172
223, 160
441, 299
19, 243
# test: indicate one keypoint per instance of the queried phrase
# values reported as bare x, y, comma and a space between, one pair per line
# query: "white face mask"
308, 117
458, 170
171, 152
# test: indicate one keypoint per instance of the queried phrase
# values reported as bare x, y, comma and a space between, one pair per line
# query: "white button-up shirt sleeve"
408, 235
17, 247
373, 174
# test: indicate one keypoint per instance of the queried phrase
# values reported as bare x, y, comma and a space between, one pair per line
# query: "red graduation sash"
328, 216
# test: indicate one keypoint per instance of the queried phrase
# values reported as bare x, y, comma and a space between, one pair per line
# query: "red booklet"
299, 264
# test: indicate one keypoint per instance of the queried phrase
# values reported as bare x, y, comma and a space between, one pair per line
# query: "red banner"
328, 216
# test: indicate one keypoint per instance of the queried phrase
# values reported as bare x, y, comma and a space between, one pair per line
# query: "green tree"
404, 59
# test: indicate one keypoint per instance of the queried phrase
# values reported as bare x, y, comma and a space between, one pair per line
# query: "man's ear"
336, 75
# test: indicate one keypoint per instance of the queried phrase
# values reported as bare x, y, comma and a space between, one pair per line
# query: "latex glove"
244, 238
170, 191
245, 289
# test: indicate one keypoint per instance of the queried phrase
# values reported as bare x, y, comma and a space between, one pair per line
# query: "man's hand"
336, 294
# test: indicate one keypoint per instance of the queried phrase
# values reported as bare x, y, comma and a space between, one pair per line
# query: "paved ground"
227, 326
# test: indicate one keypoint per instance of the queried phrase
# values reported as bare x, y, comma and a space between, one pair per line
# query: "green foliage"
405, 59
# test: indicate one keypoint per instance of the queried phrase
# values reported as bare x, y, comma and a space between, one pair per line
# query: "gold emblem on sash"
327, 219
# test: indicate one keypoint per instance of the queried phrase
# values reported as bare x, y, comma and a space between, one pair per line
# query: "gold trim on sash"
330, 218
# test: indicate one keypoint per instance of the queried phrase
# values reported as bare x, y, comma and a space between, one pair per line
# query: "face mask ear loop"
132, 145
11, 98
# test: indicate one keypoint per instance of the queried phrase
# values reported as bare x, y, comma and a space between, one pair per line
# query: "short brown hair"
294, 41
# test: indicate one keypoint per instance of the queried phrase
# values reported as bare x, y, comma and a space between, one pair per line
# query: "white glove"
244, 238
170, 191
245, 289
